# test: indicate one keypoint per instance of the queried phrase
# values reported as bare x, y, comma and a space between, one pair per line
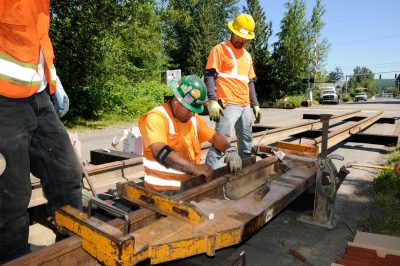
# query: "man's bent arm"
177, 162
220, 142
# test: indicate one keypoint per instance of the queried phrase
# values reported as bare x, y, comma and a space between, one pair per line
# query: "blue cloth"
33, 139
238, 117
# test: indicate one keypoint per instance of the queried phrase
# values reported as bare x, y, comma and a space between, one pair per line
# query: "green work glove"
257, 114
214, 110
233, 160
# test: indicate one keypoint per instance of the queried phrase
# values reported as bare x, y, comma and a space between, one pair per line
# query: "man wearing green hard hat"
172, 136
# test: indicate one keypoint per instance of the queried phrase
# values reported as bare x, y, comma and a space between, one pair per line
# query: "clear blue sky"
361, 32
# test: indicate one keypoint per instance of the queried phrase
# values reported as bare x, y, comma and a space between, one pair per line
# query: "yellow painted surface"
172, 237
136, 194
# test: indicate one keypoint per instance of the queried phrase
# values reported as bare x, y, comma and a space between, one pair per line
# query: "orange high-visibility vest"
235, 69
158, 177
24, 28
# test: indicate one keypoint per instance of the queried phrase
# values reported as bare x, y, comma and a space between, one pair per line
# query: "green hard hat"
191, 92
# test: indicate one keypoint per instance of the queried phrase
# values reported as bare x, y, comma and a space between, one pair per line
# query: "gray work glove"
233, 160
60, 100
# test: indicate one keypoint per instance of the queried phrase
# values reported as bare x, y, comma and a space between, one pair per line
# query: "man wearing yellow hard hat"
230, 88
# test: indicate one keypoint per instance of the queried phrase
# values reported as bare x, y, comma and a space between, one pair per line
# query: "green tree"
103, 48
258, 48
336, 76
193, 28
363, 78
291, 53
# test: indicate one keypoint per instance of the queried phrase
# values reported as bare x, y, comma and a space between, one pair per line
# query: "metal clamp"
110, 208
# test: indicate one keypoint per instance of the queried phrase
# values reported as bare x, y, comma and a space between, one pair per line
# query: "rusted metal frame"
217, 184
71, 246
53, 254
284, 189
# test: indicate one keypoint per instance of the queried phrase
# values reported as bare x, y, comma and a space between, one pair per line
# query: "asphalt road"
271, 244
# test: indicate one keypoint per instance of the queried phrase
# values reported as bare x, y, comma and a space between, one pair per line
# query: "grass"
385, 218
80, 124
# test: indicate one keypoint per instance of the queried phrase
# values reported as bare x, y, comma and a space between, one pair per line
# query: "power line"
368, 40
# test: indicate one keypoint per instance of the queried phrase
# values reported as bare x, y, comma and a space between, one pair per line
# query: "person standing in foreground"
32, 137
172, 136
230, 88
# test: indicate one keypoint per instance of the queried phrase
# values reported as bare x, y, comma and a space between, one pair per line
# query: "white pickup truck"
329, 95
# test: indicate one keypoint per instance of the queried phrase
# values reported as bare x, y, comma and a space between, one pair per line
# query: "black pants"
33, 139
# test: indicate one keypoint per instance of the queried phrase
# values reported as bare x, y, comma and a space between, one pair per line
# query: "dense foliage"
292, 50
192, 28
104, 50
111, 55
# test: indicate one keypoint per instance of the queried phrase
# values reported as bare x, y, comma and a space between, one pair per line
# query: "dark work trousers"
33, 139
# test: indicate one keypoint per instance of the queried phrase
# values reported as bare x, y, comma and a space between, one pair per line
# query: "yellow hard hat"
243, 26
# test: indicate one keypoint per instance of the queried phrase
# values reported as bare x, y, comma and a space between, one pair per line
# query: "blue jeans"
33, 139
240, 118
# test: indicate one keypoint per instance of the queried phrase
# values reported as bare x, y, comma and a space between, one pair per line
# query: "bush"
386, 217
144, 96
292, 102
346, 99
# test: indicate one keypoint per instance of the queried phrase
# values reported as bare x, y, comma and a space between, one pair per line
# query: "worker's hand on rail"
204, 169
257, 114
60, 100
214, 111
233, 160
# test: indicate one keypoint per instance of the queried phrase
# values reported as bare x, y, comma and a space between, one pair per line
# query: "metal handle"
110, 208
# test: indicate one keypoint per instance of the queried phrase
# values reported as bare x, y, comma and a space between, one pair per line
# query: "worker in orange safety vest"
230, 88
172, 136
32, 137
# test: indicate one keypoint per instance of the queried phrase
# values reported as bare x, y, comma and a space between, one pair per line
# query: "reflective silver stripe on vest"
234, 73
53, 74
18, 72
194, 123
154, 165
170, 123
161, 182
